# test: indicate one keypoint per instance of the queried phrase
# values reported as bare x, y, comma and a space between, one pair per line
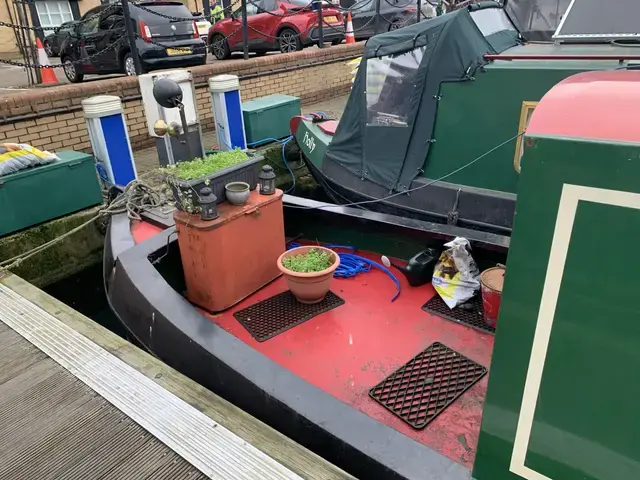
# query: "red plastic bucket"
491, 282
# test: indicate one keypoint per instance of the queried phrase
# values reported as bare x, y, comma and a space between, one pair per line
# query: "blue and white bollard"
109, 139
227, 112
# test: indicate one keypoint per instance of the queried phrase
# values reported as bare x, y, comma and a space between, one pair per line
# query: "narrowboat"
558, 401
380, 377
429, 99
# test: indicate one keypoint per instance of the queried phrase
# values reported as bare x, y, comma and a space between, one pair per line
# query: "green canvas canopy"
385, 132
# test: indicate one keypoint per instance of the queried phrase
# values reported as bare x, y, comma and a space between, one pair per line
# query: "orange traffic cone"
348, 34
48, 75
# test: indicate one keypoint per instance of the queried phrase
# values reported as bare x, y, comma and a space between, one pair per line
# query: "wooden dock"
79, 402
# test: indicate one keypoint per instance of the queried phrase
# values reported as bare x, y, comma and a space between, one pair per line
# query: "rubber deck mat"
277, 314
427, 384
472, 317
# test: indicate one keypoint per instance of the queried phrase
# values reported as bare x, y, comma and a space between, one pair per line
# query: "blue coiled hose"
352, 264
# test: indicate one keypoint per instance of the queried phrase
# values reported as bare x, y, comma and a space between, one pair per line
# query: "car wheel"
336, 42
289, 41
219, 47
128, 65
71, 72
48, 50
396, 25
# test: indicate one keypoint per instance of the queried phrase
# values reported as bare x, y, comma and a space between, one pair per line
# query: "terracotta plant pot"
309, 287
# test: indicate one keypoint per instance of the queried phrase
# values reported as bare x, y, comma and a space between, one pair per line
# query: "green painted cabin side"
475, 116
562, 393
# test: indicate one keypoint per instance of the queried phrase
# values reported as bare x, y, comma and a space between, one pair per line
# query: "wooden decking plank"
142, 464
45, 453
54, 426
107, 455
16, 356
63, 447
26, 379
176, 469
36, 409
36, 429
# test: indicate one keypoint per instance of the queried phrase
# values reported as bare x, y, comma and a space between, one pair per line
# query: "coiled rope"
136, 197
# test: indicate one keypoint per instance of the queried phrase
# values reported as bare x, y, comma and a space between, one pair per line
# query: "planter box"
185, 191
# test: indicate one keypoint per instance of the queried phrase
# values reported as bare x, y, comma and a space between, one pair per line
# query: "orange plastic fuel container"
229, 258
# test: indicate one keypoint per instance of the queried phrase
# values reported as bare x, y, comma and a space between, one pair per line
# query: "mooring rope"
136, 198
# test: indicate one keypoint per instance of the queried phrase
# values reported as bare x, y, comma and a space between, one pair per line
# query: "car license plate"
331, 19
201, 25
178, 51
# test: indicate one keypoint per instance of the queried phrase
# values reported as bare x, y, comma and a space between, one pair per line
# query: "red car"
276, 25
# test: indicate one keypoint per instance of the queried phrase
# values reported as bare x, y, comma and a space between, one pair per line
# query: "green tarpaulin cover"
385, 132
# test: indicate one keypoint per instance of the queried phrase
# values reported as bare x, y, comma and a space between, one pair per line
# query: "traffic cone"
348, 34
48, 75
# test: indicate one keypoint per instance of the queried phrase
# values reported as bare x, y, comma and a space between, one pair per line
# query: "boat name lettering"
309, 141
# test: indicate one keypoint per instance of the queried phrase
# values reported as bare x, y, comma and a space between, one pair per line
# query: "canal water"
84, 292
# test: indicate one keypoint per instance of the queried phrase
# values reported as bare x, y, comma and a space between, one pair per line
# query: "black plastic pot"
185, 192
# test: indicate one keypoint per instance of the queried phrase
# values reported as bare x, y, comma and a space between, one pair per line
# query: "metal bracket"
454, 215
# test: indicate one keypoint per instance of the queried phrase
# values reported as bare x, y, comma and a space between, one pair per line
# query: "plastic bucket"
491, 282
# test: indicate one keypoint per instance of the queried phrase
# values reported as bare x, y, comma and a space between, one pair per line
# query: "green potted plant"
215, 170
309, 271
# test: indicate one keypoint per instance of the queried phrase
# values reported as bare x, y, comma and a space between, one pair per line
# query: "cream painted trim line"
571, 196
208, 446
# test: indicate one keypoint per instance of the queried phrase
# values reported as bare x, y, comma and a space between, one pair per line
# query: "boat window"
537, 20
390, 83
491, 20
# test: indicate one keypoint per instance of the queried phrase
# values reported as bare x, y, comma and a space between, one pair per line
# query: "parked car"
54, 40
275, 25
202, 24
394, 14
176, 41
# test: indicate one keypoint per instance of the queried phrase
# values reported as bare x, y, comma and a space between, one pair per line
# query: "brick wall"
51, 118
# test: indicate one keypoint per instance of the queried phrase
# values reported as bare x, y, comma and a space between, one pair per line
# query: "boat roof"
597, 106
595, 56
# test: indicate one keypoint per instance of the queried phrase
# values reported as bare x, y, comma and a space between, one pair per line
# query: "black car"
166, 37
393, 14
53, 41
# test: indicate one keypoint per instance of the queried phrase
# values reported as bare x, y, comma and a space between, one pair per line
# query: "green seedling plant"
315, 260
198, 168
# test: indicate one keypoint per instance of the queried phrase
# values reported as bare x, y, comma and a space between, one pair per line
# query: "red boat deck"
349, 349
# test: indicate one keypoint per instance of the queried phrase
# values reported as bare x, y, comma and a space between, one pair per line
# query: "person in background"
217, 12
